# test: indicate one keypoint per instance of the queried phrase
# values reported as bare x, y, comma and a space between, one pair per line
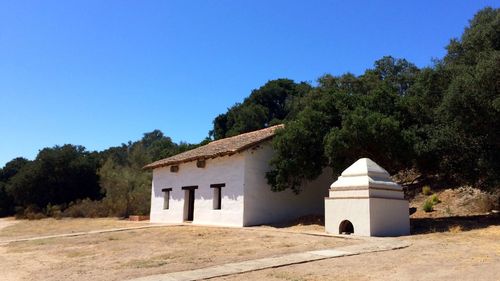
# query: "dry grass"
464, 201
455, 229
464, 255
135, 253
448, 244
50, 226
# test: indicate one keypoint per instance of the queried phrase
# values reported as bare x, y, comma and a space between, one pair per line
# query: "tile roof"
222, 147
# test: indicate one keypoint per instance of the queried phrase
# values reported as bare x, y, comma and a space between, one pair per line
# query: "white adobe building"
365, 201
223, 183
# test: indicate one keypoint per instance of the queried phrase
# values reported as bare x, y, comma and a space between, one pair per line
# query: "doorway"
189, 192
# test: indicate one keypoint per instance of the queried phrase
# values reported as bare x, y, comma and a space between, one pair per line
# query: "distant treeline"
442, 120
71, 181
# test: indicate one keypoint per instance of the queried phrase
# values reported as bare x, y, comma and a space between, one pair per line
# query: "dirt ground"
33, 228
141, 252
455, 254
442, 248
464, 201
4, 222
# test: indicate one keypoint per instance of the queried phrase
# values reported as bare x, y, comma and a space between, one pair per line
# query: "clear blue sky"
100, 73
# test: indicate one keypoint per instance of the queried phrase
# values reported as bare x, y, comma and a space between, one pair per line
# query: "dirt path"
5, 222
374, 245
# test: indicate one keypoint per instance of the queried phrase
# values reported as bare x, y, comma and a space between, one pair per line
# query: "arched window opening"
346, 227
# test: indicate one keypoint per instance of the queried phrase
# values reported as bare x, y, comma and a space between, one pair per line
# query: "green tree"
463, 139
10, 169
127, 189
6, 201
268, 105
442, 119
157, 145
365, 133
125, 184
300, 154
293, 164
58, 175
343, 119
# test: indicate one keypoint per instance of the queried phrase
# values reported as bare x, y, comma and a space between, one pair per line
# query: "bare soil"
463, 201
135, 253
459, 240
4, 222
33, 228
455, 254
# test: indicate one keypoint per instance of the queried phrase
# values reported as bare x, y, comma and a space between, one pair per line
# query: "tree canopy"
65, 175
441, 120
269, 105
58, 175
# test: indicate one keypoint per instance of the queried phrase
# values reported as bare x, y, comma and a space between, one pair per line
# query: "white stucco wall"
228, 170
356, 211
264, 206
369, 216
366, 196
389, 217
387, 193
247, 199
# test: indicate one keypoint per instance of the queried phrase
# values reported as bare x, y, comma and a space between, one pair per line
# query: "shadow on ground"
305, 220
444, 224
418, 225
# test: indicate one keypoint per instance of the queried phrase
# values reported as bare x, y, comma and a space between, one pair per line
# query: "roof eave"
153, 166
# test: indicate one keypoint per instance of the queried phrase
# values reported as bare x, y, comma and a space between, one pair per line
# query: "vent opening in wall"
200, 163
174, 169
346, 227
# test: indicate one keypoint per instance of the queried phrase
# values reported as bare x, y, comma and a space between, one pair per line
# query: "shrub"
35, 216
53, 211
19, 212
476, 200
434, 199
426, 190
32, 212
455, 228
428, 206
86, 209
